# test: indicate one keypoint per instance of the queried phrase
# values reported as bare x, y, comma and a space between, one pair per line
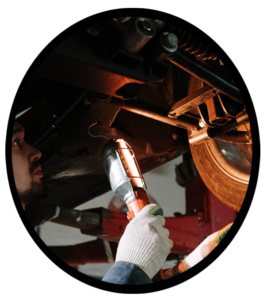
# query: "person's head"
26, 168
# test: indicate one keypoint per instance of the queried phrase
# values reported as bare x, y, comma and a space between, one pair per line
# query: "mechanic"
145, 244
144, 232
26, 169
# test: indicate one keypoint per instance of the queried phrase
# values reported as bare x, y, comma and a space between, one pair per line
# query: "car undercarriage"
150, 83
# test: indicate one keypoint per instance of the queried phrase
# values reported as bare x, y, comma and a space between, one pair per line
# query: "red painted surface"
205, 214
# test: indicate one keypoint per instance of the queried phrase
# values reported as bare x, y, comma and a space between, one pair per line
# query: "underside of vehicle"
145, 81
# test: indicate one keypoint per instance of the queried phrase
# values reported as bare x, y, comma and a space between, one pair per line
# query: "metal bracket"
204, 114
217, 115
205, 105
190, 102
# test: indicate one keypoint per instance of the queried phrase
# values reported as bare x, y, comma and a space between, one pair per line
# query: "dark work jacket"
123, 272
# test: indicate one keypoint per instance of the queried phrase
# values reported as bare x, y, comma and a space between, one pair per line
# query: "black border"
35, 265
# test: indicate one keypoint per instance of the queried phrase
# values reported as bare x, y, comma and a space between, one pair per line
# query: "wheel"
224, 167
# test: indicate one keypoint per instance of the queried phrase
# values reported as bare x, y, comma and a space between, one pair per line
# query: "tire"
225, 172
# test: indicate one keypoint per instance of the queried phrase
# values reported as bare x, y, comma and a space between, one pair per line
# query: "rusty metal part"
111, 133
196, 98
208, 75
242, 117
140, 32
197, 137
204, 114
234, 137
216, 112
192, 45
230, 109
78, 219
205, 134
155, 113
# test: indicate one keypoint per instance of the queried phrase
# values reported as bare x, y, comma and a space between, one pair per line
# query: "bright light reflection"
130, 163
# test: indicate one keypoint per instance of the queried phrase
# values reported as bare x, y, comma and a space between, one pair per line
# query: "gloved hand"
145, 242
203, 249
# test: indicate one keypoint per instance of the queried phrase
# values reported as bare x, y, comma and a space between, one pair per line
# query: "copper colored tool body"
137, 204
133, 171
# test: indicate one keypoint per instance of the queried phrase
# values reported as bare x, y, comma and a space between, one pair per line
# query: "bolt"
175, 136
146, 25
170, 40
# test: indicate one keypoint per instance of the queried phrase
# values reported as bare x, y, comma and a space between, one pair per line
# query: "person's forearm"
127, 274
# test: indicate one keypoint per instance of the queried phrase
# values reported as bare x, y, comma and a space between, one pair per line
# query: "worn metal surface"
233, 137
191, 101
155, 113
206, 74
200, 136
242, 117
140, 32
193, 45
216, 113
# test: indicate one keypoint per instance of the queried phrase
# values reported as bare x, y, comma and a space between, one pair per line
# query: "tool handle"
136, 205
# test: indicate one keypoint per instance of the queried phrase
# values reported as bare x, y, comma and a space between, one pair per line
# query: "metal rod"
205, 134
242, 117
207, 75
234, 137
155, 113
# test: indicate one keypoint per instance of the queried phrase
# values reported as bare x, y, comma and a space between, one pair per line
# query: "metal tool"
125, 177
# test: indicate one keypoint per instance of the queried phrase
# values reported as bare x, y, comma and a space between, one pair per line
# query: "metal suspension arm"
207, 75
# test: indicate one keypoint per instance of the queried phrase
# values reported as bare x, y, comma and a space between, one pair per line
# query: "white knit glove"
203, 249
145, 242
